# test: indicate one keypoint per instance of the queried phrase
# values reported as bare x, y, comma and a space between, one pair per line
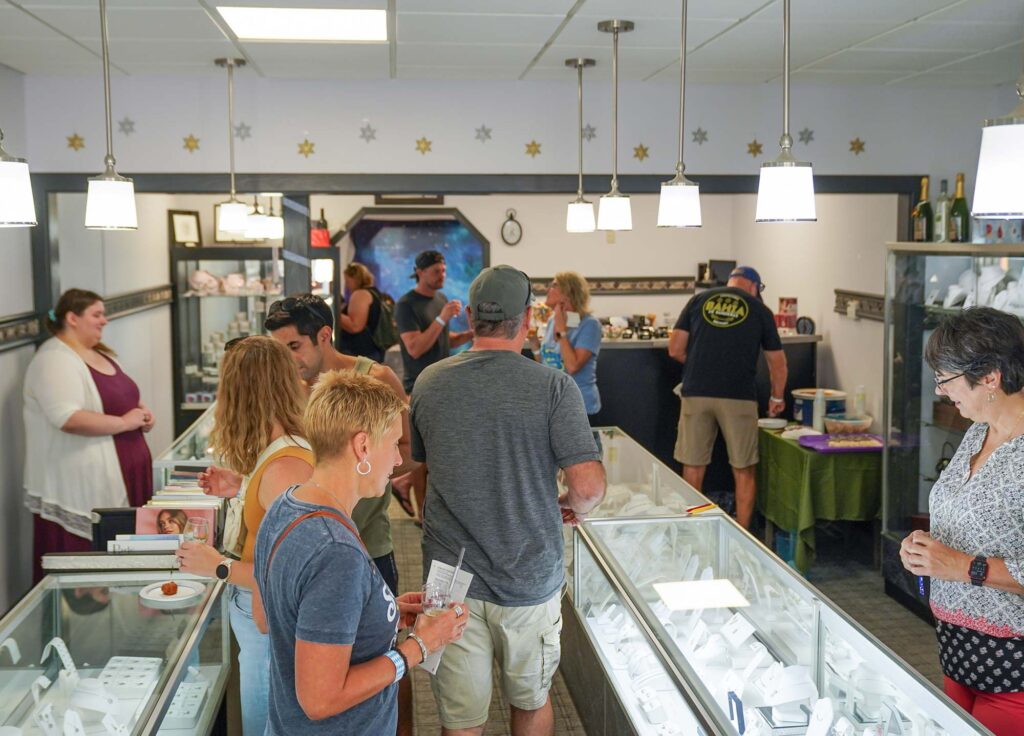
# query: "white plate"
189, 591
772, 422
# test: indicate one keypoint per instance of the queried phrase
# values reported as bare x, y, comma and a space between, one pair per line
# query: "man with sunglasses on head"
304, 324
718, 338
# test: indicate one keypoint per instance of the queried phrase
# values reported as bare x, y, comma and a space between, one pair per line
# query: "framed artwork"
220, 236
623, 286
183, 226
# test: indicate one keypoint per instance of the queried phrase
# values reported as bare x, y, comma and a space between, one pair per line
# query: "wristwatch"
224, 568
978, 570
559, 335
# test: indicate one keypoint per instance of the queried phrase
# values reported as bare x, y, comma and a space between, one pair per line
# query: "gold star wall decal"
191, 143
640, 152
533, 149
306, 148
857, 146
754, 148
76, 142
423, 145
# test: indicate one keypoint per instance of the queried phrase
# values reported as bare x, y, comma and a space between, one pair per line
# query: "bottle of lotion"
818, 416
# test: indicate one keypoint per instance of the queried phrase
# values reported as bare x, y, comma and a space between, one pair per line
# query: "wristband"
405, 660
423, 647
440, 321
399, 661
775, 398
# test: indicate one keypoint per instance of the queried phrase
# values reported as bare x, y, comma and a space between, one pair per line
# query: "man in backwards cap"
495, 428
718, 338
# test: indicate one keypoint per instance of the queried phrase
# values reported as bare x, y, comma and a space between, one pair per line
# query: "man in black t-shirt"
718, 338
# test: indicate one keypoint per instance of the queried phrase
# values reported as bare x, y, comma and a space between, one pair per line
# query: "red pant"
1000, 713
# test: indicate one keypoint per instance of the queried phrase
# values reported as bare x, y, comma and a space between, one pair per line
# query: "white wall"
15, 246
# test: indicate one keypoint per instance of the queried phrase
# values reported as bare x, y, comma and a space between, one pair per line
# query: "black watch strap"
978, 570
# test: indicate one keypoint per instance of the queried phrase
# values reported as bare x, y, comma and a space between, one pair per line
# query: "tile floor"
855, 588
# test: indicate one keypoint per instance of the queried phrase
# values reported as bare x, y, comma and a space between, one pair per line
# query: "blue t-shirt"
322, 588
587, 335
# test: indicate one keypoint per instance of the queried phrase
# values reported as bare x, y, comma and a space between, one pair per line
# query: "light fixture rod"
105, 41
682, 89
615, 107
579, 126
786, 141
231, 64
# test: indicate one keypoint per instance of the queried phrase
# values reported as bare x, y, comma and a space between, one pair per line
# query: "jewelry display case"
189, 451
690, 626
924, 283
103, 653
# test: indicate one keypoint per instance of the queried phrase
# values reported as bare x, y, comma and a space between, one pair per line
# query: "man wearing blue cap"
718, 338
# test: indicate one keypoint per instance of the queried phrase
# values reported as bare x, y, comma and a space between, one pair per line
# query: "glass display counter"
101, 653
189, 451
690, 626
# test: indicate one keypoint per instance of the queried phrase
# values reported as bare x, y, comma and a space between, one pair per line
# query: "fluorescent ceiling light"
316, 25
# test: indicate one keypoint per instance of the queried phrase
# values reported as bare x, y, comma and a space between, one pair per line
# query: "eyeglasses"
940, 382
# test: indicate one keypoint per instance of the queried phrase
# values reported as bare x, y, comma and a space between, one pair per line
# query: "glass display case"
924, 283
189, 451
100, 653
691, 626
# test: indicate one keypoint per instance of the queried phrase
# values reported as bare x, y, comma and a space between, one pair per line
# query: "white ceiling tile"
852, 76
635, 63
32, 57
437, 54
94, 6
722, 76
15, 24
340, 4
870, 60
457, 72
321, 61
955, 79
964, 35
657, 33
465, 28
887, 11
1005, 63
729, 10
502, 7
995, 11
134, 23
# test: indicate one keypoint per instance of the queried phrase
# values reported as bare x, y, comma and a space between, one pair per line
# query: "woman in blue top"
572, 339
333, 622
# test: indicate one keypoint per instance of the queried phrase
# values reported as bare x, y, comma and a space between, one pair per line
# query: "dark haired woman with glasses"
974, 553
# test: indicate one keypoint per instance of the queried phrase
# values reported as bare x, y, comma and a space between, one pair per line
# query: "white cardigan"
66, 475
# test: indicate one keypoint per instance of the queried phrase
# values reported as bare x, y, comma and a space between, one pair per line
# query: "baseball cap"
751, 275
426, 259
505, 286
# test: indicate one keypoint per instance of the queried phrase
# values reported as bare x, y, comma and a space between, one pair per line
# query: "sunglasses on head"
292, 303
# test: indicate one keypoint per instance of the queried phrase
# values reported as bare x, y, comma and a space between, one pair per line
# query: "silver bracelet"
775, 398
423, 647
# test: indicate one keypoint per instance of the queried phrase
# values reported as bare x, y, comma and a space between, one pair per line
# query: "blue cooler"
803, 403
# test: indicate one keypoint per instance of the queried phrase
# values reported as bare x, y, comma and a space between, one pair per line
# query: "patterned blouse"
981, 515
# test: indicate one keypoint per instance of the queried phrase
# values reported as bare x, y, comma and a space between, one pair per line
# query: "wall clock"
511, 230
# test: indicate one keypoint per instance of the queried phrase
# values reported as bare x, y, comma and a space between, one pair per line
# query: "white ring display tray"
189, 591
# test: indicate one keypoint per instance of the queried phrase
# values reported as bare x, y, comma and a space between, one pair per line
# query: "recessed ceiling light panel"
309, 25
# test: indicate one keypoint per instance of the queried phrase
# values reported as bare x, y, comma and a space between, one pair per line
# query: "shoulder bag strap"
288, 530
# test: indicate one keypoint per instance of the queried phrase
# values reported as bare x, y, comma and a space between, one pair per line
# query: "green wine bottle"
959, 215
921, 218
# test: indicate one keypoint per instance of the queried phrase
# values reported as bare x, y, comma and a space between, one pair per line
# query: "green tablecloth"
796, 486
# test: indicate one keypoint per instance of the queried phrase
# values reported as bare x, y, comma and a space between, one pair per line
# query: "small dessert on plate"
169, 588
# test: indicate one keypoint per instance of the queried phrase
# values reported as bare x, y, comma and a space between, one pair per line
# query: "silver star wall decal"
700, 136
589, 132
368, 133
806, 136
126, 126
483, 133
243, 131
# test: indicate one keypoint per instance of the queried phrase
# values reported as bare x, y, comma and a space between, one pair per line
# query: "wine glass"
435, 599
197, 529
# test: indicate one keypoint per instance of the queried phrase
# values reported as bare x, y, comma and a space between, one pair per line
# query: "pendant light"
613, 211
785, 192
233, 218
275, 223
110, 203
999, 184
256, 222
579, 218
17, 209
679, 204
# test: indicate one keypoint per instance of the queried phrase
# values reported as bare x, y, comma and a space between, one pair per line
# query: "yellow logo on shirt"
725, 310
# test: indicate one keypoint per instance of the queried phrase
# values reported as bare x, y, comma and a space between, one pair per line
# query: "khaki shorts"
525, 641
700, 418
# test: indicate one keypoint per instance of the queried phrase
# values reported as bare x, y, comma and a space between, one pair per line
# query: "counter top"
619, 344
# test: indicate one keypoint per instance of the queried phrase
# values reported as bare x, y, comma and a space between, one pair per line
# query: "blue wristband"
399, 661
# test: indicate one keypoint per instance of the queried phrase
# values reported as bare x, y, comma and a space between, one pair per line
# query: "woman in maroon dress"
84, 423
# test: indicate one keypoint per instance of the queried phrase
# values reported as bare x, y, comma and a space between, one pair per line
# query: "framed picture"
183, 226
220, 236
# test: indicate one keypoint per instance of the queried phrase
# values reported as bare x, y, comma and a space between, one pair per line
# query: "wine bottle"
941, 219
921, 218
959, 215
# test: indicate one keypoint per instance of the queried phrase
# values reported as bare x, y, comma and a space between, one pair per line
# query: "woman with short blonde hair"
358, 318
332, 620
258, 435
575, 290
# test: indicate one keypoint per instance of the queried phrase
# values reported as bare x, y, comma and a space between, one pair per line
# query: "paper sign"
442, 574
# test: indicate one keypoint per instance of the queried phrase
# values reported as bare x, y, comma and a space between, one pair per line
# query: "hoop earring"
360, 465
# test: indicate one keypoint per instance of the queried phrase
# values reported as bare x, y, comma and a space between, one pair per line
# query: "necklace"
340, 505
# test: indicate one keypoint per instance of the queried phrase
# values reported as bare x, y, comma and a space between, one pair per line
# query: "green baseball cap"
504, 290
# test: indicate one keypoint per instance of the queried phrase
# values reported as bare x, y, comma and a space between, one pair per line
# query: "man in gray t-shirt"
495, 428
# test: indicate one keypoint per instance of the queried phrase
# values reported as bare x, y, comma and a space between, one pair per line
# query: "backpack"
385, 332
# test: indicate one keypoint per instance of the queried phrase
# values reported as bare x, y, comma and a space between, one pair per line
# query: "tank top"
361, 343
252, 510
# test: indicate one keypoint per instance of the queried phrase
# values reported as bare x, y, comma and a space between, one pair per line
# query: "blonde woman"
358, 318
258, 434
332, 620
572, 339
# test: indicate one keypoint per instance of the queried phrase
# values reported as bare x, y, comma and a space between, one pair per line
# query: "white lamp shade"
999, 186
275, 227
110, 205
17, 208
614, 213
256, 226
579, 218
679, 205
786, 194
233, 218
